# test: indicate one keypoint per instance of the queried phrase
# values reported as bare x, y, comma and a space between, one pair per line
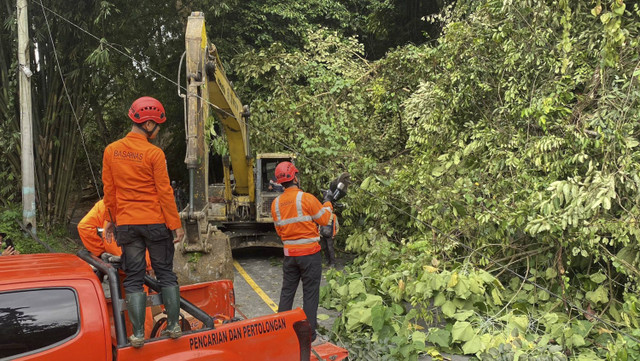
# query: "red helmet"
285, 172
147, 108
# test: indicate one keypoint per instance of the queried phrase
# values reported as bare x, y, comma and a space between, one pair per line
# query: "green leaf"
439, 300
521, 322
606, 203
356, 287
598, 277
475, 285
462, 288
438, 171
357, 316
577, 340
497, 298
550, 318
419, 338
618, 9
462, 331
439, 336
463, 315
473, 346
371, 301
600, 295
377, 317
448, 309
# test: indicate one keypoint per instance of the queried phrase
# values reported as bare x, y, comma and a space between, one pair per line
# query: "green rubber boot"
136, 305
171, 299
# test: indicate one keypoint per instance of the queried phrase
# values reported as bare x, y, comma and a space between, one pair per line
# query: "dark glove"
327, 196
110, 258
326, 231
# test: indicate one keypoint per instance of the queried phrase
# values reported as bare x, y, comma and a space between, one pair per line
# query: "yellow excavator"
236, 211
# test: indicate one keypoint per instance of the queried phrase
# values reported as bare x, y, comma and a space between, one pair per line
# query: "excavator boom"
235, 213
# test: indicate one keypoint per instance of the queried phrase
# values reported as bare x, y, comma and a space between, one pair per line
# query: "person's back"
139, 202
142, 196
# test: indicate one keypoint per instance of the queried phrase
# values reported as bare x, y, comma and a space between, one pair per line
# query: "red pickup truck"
53, 307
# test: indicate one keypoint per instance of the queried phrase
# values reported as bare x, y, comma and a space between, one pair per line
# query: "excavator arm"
233, 214
208, 89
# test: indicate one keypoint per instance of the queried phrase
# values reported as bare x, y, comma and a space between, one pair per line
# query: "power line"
66, 91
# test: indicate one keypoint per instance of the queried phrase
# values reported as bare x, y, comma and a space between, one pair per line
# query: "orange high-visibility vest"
136, 184
296, 216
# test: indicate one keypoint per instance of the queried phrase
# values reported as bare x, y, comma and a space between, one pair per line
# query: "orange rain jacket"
296, 215
88, 231
136, 184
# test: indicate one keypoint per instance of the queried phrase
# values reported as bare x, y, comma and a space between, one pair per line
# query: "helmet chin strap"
149, 133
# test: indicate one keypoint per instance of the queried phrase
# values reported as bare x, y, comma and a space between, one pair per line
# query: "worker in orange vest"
296, 216
140, 206
105, 248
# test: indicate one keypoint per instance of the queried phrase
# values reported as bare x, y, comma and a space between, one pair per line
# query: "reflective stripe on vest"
302, 241
301, 217
302, 244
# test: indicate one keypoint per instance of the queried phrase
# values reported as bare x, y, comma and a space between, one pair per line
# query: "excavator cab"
266, 187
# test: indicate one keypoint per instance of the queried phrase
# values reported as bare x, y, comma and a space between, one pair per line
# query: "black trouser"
134, 241
327, 247
309, 269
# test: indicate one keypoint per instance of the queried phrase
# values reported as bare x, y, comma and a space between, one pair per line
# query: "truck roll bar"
118, 303
114, 288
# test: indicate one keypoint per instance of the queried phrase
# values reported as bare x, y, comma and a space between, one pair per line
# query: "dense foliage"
511, 224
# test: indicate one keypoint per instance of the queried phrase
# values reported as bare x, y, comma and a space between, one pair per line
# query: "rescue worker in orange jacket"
100, 247
296, 216
140, 205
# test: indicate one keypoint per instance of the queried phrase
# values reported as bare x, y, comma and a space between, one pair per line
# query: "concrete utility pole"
26, 129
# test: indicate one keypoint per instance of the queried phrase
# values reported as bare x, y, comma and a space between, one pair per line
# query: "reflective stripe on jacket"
296, 215
136, 184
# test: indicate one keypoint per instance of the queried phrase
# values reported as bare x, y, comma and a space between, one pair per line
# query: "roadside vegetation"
495, 207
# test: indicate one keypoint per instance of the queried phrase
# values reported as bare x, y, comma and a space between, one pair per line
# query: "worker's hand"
110, 258
179, 235
326, 231
108, 231
10, 251
327, 196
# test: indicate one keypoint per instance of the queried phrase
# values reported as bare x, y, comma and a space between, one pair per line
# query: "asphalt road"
263, 268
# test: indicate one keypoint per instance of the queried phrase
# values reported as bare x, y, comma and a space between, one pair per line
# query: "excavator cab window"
269, 183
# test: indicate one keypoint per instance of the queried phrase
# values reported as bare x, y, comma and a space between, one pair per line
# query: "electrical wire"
73, 110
